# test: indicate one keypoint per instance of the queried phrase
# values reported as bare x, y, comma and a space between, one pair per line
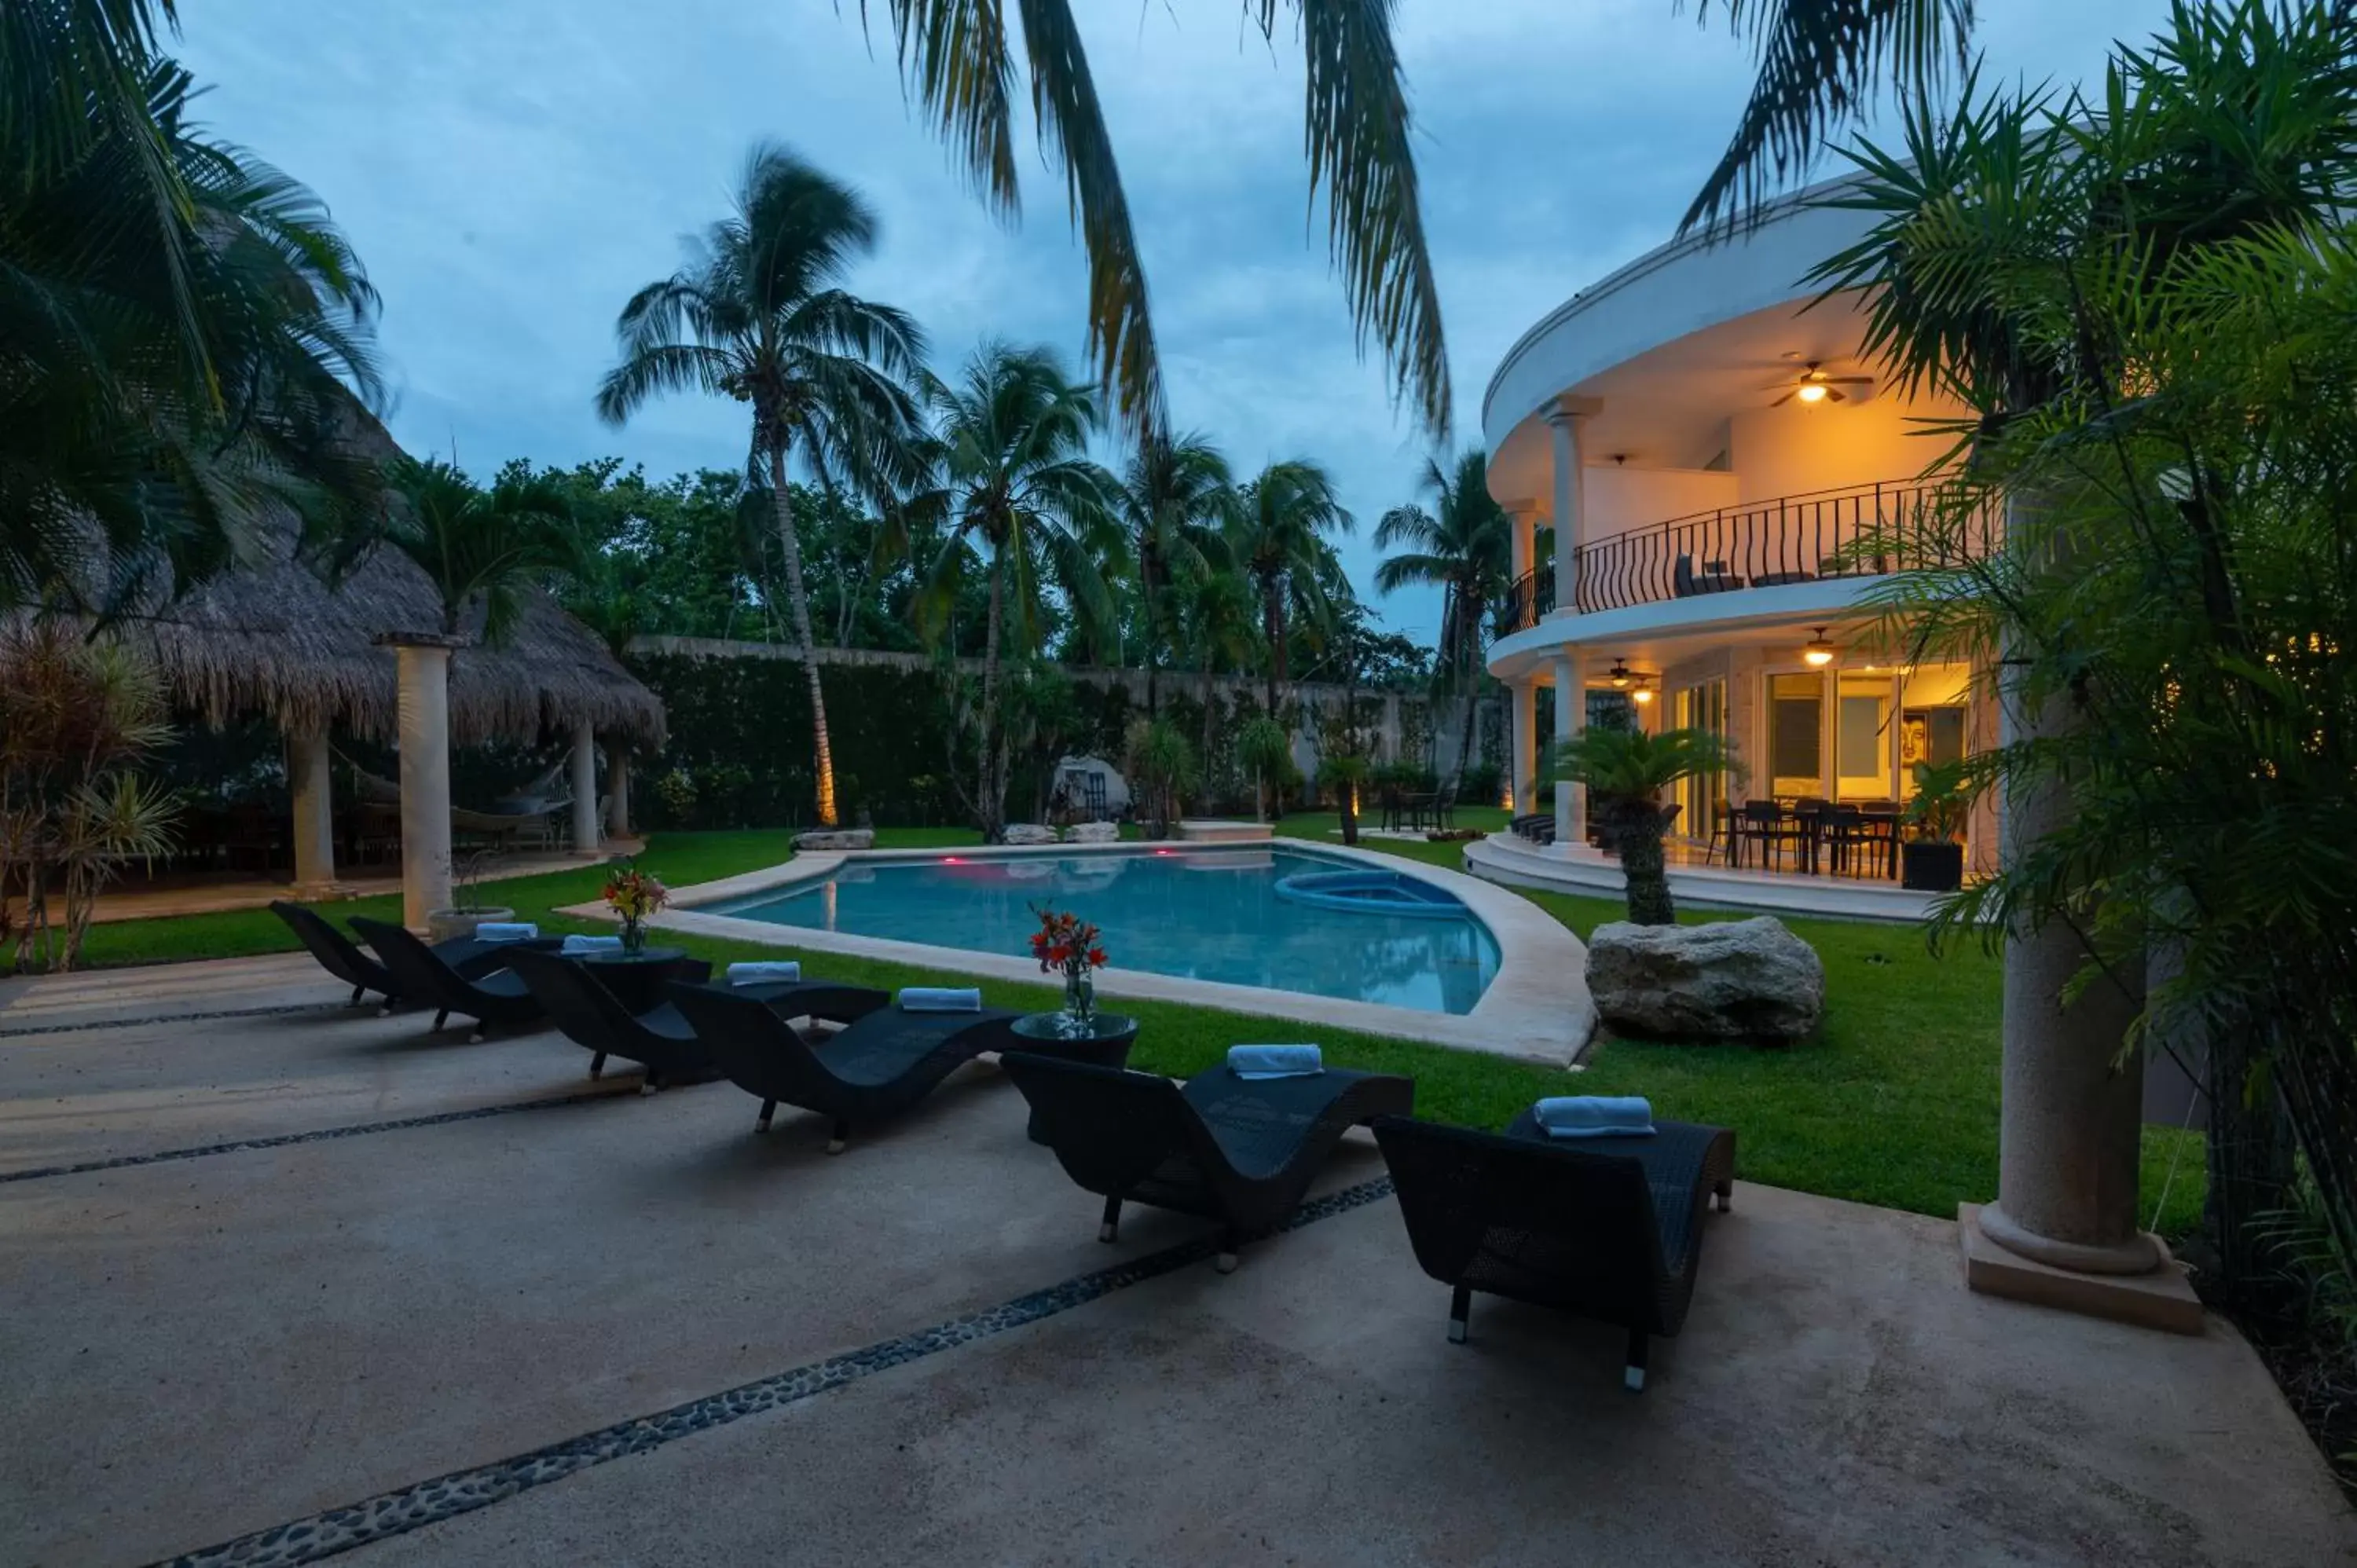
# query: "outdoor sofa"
1609, 1228
881, 1065
1240, 1151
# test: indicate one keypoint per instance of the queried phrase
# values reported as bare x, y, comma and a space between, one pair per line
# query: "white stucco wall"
1620, 499
1794, 449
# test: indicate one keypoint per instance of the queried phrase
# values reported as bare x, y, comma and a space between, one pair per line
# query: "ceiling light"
1819, 652
1618, 674
1642, 695
1811, 391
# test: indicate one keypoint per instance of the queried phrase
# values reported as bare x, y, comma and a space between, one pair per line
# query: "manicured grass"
1895, 1102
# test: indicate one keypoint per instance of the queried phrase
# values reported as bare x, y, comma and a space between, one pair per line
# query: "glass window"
1796, 734
1702, 707
1862, 737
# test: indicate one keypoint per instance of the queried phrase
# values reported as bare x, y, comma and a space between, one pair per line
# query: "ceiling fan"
1814, 386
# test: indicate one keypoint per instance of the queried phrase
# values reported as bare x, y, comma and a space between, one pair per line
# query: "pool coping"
1536, 1007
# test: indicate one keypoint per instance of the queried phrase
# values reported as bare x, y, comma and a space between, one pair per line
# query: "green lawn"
1893, 1103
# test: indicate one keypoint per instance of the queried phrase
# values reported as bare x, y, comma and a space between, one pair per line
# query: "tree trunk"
790, 546
990, 804
1636, 831
1349, 802
1470, 685
1272, 615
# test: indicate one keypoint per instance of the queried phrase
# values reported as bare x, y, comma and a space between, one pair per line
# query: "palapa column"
585, 788
618, 789
425, 741
310, 770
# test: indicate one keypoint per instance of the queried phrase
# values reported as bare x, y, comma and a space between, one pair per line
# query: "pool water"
1211, 914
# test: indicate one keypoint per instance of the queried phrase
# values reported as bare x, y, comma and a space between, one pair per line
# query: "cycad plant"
1464, 547
76, 718
760, 314
1626, 771
1017, 498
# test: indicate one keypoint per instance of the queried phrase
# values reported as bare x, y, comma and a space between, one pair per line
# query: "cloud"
511, 171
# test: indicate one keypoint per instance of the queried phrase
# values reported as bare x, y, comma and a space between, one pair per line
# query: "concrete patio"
284, 1270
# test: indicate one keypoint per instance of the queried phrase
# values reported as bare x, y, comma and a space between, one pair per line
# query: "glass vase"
634, 936
1080, 1019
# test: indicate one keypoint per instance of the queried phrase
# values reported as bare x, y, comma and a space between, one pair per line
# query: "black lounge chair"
1239, 1151
1606, 1228
879, 1066
487, 991
339, 956
661, 1039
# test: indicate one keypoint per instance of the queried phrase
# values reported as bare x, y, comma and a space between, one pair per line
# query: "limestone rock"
836, 839
1731, 980
1029, 832
1092, 833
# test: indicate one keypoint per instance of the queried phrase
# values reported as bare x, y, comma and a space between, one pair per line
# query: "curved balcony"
1860, 531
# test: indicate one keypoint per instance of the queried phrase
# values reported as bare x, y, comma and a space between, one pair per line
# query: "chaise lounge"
1239, 1151
339, 956
488, 991
882, 1064
1606, 1228
661, 1039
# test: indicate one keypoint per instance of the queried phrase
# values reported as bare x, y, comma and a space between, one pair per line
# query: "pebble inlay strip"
172, 1018
323, 1535
324, 1135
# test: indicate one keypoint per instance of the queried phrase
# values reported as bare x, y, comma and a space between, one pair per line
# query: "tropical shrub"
1626, 771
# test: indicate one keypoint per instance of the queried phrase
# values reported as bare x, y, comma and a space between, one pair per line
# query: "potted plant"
1932, 856
467, 909
1065, 942
634, 894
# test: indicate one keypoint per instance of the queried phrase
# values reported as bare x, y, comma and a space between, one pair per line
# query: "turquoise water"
1211, 914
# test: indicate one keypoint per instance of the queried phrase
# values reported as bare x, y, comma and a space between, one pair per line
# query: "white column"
1566, 417
585, 788
1524, 696
618, 789
1523, 515
1571, 719
309, 774
424, 699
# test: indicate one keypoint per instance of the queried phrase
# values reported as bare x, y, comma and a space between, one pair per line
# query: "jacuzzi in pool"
1372, 893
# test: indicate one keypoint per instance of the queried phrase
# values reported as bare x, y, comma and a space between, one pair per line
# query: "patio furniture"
339, 956
493, 994
1765, 823
1722, 829
638, 980
1107, 1044
1238, 1151
1606, 1228
1778, 579
1810, 813
883, 1063
583, 1003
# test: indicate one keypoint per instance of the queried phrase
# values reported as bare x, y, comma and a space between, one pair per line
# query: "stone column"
1524, 695
585, 788
424, 710
618, 789
2065, 1226
1571, 719
1566, 417
309, 777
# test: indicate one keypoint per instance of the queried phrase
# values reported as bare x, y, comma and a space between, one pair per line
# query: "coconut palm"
1820, 63
1277, 538
1626, 771
185, 334
473, 543
758, 315
1018, 498
1175, 496
1214, 614
1465, 548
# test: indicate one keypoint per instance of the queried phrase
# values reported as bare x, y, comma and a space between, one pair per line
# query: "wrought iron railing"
1861, 531
1527, 600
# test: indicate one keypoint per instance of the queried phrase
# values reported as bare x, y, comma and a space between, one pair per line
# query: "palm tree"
1175, 496
1018, 492
1821, 63
1465, 547
1214, 616
1626, 771
758, 315
1278, 540
473, 543
186, 333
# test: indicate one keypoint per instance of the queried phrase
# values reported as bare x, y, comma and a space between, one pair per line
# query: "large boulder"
1092, 833
1029, 832
836, 839
1731, 980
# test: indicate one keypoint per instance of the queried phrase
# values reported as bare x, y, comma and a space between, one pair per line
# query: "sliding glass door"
1702, 707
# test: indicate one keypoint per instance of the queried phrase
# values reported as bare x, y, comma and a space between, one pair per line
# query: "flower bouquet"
1064, 941
634, 894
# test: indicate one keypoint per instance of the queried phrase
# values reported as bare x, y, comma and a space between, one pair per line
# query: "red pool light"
952, 860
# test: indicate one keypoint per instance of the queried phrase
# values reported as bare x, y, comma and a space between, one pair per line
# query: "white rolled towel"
767, 972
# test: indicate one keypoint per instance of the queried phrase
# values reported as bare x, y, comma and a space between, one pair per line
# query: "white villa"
1689, 446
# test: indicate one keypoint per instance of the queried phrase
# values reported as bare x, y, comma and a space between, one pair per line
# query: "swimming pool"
1210, 914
